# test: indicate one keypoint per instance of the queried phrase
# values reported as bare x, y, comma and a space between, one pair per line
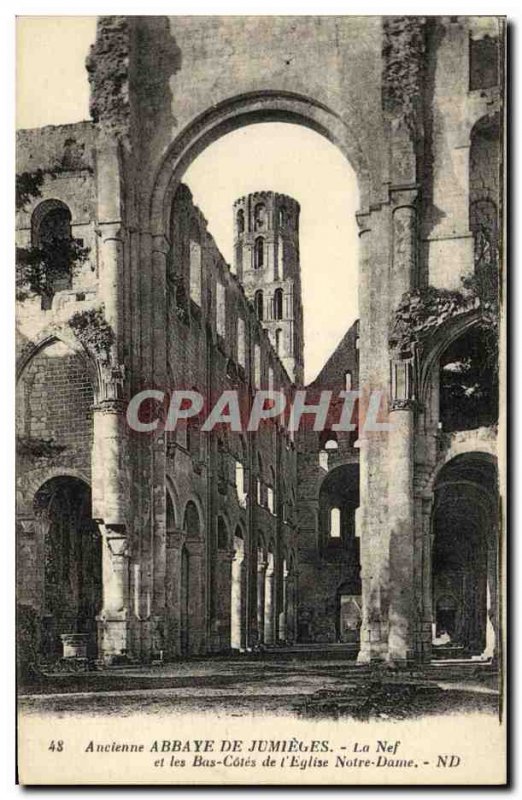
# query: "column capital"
110, 231
160, 243
174, 539
116, 539
26, 525
403, 404
404, 195
363, 219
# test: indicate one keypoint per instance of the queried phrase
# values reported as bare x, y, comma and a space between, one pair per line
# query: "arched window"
484, 205
191, 519
259, 485
258, 303
468, 389
279, 260
335, 523
348, 381
278, 304
259, 253
240, 221
195, 265
278, 335
241, 344
483, 224
51, 232
51, 223
257, 366
282, 216
222, 534
259, 216
238, 266
241, 484
270, 492
221, 309
329, 445
194, 435
328, 440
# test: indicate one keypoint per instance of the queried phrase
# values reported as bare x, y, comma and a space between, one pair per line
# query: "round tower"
266, 257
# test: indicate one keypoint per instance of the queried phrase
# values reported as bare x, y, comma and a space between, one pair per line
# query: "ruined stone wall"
321, 571
200, 465
65, 156
453, 109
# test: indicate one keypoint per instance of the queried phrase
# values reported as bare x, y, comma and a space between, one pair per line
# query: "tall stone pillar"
291, 590
113, 619
423, 547
221, 624
269, 627
373, 537
110, 499
401, 511
196, 598
261, 572
283, 614
405, 592
492, 617
403, 276
237, 602
172, 591
109, 509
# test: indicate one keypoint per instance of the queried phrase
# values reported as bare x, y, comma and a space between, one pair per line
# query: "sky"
52, 88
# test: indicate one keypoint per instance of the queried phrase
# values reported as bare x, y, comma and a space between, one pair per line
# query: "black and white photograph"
261, 400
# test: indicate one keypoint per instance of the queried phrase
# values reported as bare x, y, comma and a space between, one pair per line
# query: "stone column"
401, 619
424, 581
282, 632
172, 594
221, 633
403, 276
109, 509
269, 627
492, 622
291, 589
195, 631
237, 628
261, 577
111, 260
114, 618
403, 602
372, 543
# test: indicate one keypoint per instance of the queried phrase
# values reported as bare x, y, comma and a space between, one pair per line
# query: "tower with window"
266, 232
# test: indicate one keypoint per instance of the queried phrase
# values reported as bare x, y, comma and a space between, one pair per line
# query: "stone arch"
192, 580
478, 448
41, 210
446, 334
50, 335
29, 484
223, 532
194, 518
64, 561
465, 556
237, 112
